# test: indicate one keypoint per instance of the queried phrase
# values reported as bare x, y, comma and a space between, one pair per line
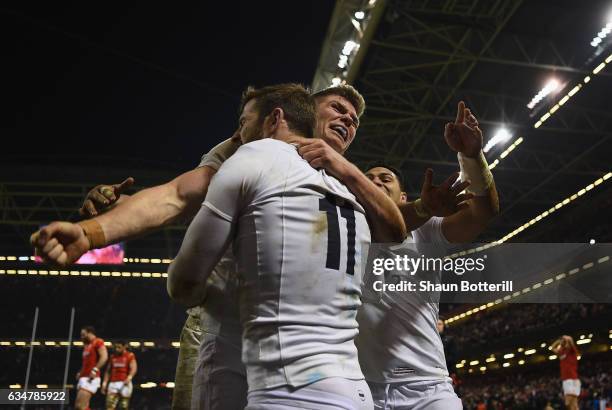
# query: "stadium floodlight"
359, 15
348, 48
509, 356
552, 357
474, 362
603, 33
530, 352
500, 136
483, 368
551, 86
507, 364
176, 344
42, 386
521, 362
583, 341
15, 386
170, 385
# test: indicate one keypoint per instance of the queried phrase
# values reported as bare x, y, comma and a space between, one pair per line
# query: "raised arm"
62, 243
465, 137
384, 217
556, 346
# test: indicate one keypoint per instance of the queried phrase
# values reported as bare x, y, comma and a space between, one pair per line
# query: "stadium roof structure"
413, 60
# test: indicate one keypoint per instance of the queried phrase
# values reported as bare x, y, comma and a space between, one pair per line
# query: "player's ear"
277, 116
403, 197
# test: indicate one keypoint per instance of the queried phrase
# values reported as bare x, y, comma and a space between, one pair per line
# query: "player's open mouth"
341, 131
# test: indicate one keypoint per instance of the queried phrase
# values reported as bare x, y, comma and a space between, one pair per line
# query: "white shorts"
218, 384
121, 388
91, 385
419, 395
571, 387
332, 393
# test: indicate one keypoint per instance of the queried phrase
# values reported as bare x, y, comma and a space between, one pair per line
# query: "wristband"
477, 171
219, 154
420, 210
94, 233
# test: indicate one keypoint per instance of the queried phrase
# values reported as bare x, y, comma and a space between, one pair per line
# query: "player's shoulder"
131, 355
99, 342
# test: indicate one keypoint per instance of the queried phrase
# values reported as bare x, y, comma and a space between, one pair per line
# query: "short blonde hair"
347, 91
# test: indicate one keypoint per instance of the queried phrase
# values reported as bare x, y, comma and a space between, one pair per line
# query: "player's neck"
288, 137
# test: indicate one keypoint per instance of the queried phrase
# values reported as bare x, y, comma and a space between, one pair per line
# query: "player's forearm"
413, 218
133, 370
466, 225
385, 218
153, 208
144, 212
102, 359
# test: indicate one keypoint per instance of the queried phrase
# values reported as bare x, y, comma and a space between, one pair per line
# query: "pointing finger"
460, 112
428, 179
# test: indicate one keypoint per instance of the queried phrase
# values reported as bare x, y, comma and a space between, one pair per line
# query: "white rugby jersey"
299, 235
398, 337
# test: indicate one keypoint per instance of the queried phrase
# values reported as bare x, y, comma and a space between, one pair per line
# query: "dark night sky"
145, 81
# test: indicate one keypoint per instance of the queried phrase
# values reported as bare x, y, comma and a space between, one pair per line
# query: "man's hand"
93, 373
444, 199
60, 243
319, 154
103, 388
102, 197
464, 135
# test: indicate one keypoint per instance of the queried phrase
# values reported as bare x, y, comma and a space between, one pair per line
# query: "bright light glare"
349, 46
550, 87
502, 135
359, 15
336, 81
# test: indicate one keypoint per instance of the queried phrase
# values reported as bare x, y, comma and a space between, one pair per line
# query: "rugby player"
566, 350
94, 357
118, 376
400, 349
298, 313
338, 109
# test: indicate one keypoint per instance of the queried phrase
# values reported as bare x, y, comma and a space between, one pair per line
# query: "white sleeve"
205, 242
431, 232
211, 231
234, 186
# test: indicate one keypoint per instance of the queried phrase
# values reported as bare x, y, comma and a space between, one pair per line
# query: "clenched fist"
60, 243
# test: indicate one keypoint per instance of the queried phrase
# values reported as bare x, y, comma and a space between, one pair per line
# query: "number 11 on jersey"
330, 206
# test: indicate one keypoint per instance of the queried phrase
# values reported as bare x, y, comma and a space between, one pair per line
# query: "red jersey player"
120, 371
94, 357
565, 349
